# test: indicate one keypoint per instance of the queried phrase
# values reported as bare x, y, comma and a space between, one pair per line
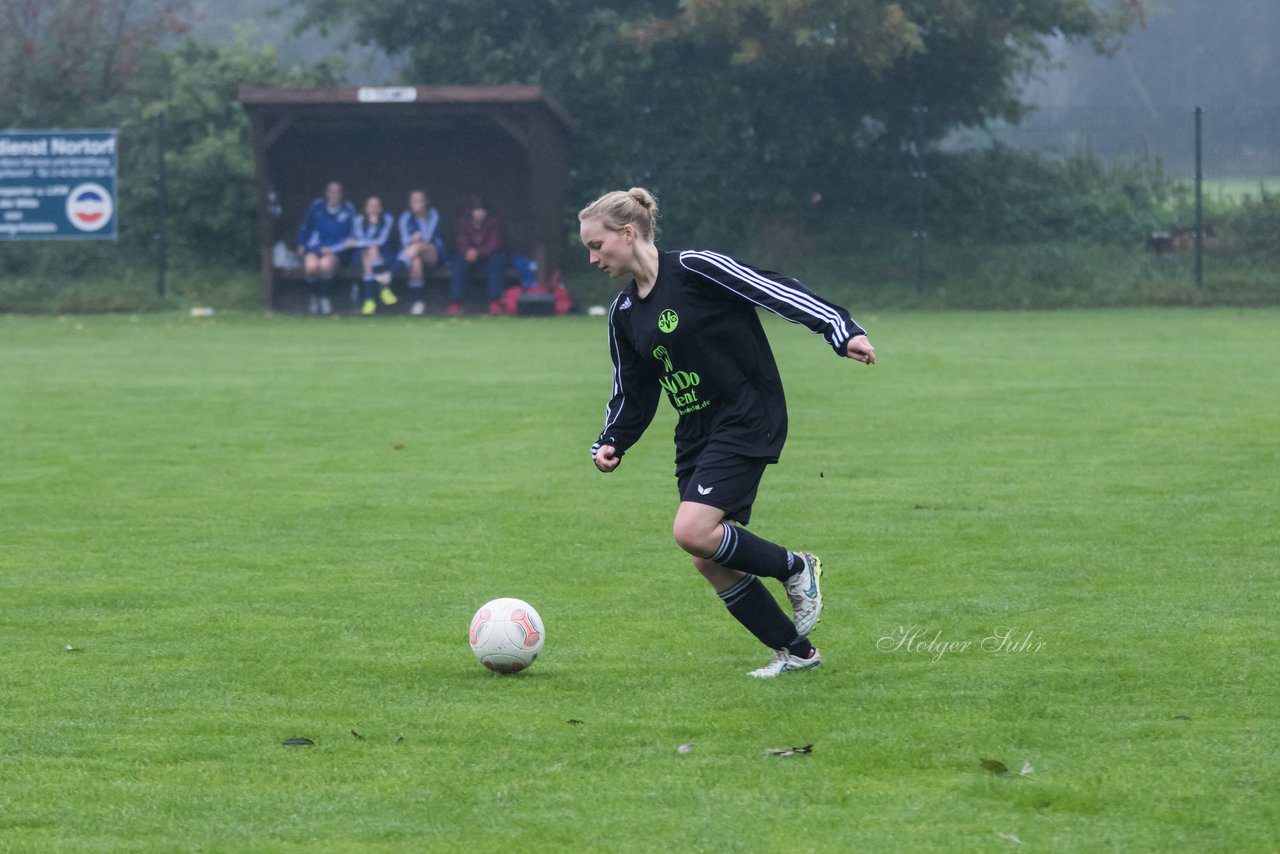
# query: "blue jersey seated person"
322, 242
370, 236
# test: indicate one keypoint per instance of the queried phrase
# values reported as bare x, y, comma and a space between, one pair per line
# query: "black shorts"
725, 481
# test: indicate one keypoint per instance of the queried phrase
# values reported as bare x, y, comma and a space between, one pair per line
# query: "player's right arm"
606, 457
634, 402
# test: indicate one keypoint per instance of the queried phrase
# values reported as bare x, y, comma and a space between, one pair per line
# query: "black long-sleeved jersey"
697, 337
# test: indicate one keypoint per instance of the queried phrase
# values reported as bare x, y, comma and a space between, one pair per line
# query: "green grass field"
1235, 190
218, 534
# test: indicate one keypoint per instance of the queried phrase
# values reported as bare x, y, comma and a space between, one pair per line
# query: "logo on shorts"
705, 490
668, 321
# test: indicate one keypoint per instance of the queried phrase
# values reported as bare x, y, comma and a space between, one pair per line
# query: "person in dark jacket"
686, 325
478, 241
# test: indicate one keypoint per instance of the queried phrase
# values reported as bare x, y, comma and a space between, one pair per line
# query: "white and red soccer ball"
506, 635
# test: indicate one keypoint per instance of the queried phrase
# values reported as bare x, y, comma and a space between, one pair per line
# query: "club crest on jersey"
668, 321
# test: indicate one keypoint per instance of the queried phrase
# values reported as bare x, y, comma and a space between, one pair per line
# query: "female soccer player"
370, 235
323, 244
686, 324
421, 246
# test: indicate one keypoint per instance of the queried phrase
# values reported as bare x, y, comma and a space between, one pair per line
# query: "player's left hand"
860, 350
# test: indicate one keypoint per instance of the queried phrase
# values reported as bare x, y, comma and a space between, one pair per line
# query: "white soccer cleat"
785, 662
418, 308
805, 595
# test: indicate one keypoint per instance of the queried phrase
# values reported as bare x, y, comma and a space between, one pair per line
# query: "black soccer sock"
744, 551
368, 289
800, 648
753, 606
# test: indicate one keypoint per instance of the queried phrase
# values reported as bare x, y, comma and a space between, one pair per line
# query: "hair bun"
620, 208
642, 196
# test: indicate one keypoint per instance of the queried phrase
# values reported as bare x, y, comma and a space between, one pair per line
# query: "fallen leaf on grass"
574, 722
685, 748
788, 751
1175, 717
297, 742
1027, 770
398, 447
71, 648
357, 735
995, 766
1009, 837
400, 740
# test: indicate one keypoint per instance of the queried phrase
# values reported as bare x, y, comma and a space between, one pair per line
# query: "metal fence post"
162, 205
919, 234
1199, 197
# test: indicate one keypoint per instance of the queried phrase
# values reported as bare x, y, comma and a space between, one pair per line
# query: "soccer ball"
506, 635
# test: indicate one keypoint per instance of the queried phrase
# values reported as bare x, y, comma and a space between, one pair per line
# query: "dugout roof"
508, 143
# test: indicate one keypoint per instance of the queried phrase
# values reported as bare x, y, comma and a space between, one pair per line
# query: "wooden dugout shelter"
510, 144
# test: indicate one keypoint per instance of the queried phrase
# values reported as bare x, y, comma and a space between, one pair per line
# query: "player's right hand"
606, 458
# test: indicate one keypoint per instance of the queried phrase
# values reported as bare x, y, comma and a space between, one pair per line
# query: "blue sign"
58, 185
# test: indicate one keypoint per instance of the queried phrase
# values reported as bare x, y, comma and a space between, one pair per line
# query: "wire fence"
1240, 145
1199, 179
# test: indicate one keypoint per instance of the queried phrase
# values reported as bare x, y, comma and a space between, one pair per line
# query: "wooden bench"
290, 294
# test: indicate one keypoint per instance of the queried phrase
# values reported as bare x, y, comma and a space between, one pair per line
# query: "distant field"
1235, 190
1052, 541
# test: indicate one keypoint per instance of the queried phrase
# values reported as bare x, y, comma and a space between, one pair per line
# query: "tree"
207, 143
1219, 55
743, 105
104, 63
70, 61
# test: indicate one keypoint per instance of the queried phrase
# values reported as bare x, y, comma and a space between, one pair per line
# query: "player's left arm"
785, 297
860, 350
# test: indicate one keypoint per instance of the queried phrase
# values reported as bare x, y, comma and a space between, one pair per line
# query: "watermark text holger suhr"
1004, 640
